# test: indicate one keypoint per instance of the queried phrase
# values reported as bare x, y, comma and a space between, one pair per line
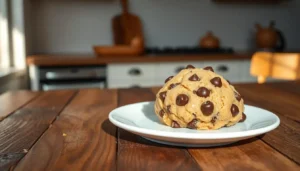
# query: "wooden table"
69, 130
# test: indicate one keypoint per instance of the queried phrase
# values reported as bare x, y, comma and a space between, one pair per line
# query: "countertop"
59, 60
70, 130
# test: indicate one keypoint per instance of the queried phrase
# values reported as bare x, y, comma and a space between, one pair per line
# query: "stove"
186, 51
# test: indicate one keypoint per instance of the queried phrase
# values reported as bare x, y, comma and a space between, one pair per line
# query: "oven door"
72, 85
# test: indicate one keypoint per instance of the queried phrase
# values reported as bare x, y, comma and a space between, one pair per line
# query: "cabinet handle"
74, 70
134, 71
179, 69
135, 86
222, 68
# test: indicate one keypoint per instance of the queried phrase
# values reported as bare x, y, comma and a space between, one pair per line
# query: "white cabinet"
246, 77
154, 74
166, 69
229, 69
130, 75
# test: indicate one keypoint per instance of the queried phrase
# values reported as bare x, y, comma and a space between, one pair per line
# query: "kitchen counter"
70, 130
75, 60
136, 71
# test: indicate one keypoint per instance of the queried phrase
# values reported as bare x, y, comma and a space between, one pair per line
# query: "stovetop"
186, 50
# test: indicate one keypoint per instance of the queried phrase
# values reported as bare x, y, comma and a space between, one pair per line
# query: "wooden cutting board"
126, 26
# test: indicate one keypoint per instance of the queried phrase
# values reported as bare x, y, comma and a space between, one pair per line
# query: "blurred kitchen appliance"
269, 38
71, 77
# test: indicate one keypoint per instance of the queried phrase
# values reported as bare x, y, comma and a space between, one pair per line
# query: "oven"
71, 77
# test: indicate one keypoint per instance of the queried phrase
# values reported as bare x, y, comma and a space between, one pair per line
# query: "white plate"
140, 119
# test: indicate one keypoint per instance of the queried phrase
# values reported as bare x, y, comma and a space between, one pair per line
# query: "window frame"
5, 41
13, 54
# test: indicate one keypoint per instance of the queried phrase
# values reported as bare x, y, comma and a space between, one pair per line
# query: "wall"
14, 81
74, 26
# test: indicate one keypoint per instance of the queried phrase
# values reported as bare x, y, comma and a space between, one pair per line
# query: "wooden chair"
275, 65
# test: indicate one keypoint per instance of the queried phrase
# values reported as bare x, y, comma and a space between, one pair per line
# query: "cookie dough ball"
199, 99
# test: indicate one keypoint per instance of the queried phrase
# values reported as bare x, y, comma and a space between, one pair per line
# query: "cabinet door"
131, 83
127, 75
246, 77
166, 69
229, 69
131, 71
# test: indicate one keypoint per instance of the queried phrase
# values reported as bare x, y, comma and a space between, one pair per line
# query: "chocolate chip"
190, 67
243, 117
203, 92
237, 96
216, 81
194, 78
207, 108
173, 85
182, 99
213, 120
234, 110
161, 113
162, 95
209, 68
192, 124
174, 124
169, 109
168, 79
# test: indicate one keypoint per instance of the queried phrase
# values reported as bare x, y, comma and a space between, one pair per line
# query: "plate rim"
200, 135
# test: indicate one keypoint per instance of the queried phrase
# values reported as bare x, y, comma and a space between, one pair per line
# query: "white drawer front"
131, 83
164, 70
131, 71
229, 69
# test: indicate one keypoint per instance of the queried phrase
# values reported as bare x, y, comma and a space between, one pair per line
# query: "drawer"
165, 70
130, 71
229, 69
51, 73
130, 83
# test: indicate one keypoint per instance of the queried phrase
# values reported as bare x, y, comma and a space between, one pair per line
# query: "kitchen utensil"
209, 41
126, 26
134, 49
269, 37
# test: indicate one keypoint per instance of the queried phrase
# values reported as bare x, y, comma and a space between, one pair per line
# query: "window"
4, 35
12, 38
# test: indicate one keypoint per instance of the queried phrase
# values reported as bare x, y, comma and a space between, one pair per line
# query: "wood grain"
286, 138
136, 153
13, 100
22, 128
61, 60
81, 138
290, 86
251, 154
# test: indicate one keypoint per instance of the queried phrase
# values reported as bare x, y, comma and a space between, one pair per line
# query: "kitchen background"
74, 26
60, 35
